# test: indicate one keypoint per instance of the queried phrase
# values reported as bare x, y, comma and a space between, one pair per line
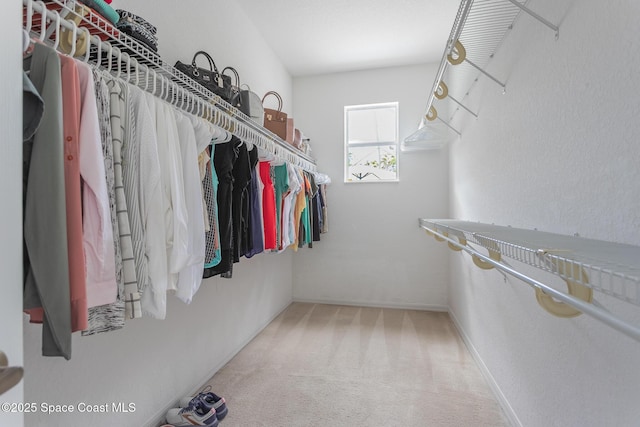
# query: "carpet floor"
331, 365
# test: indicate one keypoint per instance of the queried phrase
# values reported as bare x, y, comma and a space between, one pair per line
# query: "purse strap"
235, 73
277, 95
212, 64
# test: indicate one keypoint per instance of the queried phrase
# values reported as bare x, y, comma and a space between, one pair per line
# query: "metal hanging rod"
617, 263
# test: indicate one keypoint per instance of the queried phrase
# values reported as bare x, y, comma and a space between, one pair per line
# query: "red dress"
268, 206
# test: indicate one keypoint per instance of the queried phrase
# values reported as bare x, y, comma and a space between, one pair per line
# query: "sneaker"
196, 413
211, 400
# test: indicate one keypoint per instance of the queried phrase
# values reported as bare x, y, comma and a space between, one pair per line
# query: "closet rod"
175, 87
594, 311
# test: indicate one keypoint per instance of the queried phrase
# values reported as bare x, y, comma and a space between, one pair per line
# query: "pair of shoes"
196, 413
211, 400
9, 375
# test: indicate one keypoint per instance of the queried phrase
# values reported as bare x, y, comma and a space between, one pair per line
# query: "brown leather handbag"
276, 121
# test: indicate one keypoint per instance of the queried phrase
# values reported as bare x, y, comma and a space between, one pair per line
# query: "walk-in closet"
292, 213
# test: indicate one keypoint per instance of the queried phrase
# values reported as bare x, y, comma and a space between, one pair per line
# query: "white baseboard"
375, 304
504, 403
160, 419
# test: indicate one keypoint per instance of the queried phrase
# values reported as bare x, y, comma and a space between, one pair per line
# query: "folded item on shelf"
139, 33
130, 17
102, 7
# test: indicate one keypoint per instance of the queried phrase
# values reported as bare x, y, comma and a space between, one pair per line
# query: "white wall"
558, 152
374, 253
153, 363
11, 190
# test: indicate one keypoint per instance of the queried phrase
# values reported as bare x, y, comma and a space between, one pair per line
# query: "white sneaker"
195, 414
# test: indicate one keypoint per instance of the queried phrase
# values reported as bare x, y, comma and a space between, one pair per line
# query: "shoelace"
195, 405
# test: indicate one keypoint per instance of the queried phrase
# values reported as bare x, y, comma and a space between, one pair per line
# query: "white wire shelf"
478, 31
610, 268
127, 58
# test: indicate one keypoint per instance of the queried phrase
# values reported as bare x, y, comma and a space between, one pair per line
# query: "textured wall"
374, 253
558, 152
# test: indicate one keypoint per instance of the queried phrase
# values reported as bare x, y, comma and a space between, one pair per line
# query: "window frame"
348, 108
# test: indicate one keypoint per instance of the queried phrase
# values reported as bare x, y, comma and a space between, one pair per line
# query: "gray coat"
45, 224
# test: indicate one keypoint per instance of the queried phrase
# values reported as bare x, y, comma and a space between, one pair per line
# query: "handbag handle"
212, 64
235, 73
277, 95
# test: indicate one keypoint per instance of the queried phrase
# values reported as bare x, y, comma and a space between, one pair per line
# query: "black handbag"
234, 100
252, 106
211, 79
245, 100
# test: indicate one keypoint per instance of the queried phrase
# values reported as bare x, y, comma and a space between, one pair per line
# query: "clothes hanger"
88, 48
43, 21
26, 41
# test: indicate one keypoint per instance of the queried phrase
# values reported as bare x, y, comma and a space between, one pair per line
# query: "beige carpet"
329, 365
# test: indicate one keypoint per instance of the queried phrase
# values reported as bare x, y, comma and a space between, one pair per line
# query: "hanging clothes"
71, 106
46, 263
240, 208
255, 240
213, 254
313, 210
224, 159
108, 317
143, 189
190, 277
281, 185
172, 179
269, 207
325, 209
118, 109
288, 207
32, 107
298, 210
305, 235
96, 223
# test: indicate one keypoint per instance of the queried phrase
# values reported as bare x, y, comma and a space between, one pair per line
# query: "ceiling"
319, 37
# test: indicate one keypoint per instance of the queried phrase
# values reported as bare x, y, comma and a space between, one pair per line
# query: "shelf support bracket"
536, 16
502, 85
449, 126
463, 106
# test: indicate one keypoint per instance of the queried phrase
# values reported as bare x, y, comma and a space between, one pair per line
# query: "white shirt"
190, 277
97, 234
149, 198
172, 179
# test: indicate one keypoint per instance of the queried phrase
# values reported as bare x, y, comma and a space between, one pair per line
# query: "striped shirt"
130, 268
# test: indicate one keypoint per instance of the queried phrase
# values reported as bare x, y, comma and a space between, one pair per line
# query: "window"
371, 142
